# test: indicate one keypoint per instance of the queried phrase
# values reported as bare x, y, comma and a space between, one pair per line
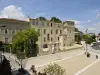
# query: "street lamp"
85, 41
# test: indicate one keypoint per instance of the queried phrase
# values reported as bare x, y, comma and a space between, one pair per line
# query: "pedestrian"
96, 56
88, 54
34, 72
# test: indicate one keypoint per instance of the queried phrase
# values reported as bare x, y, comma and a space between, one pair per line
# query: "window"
36, 22
44, 31
33, 22
60, 31
6, 31
51, 31
48, 37
42, 23
45, 46
70, 31
56, 31
13, 30
44, 39
58, 38
51, 39
51, 24
6, 40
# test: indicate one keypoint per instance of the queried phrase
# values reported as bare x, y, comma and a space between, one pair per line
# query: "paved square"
92, 70
74, 64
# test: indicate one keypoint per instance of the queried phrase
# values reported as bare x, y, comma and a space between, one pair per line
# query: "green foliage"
85, 37
54, 69
78, 38
93, 36
55, 19
78, 35
76, 29
89, 39
24, 41
42, 18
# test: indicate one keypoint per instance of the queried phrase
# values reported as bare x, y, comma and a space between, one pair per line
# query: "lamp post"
85, 41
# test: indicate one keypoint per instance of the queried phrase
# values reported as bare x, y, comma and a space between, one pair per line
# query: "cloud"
12, 11
97, 13
92, 29
77, 22
79, 26
89, 21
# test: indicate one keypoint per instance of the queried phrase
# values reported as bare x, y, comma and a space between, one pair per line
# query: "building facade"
53, 36
9, 26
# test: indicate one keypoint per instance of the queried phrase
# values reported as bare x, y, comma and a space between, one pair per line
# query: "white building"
53, 36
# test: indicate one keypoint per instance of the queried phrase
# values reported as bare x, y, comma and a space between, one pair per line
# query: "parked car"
93, 44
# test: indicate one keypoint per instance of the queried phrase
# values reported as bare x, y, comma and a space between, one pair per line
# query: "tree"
78, 38
42, 18
78, 35
93, 38
89, 39
55, 19
24, 44
54, 69
76, 29
25, 41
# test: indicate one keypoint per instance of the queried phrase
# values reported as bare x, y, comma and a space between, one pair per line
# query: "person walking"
96, 56
33, 70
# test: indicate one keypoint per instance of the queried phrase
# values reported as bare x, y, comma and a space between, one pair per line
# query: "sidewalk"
75, 46
46, 59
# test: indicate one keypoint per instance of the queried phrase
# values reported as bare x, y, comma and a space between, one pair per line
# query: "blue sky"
86, 13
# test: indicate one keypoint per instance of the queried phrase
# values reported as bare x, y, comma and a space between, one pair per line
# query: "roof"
12, 21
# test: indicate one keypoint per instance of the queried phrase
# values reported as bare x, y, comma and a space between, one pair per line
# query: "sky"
85, 13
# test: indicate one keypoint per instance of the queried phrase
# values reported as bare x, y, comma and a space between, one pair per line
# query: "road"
94, 49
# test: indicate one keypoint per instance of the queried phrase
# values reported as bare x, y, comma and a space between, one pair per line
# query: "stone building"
53, 36
9, 26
